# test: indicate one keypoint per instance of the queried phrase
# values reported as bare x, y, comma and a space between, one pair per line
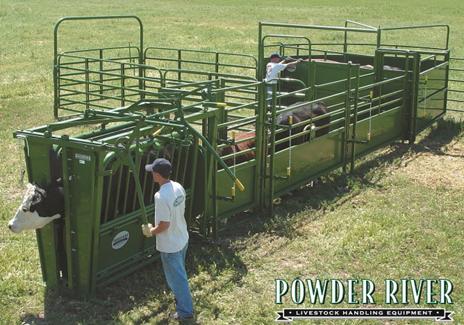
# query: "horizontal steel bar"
349, 21
203, 63
199, 51
434, 67
103, 49
320, 27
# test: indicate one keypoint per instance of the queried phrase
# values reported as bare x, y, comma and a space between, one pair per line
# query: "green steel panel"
243, 200
308, 160
38, 166
428, 110
122, 244
431, 97
383, 128
81, 166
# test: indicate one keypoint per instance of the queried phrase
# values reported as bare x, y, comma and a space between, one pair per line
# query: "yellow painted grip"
158, 131
371, 94
290, 119
233, 134
368, 136
223, 105
232, 191
289, 171
239, 185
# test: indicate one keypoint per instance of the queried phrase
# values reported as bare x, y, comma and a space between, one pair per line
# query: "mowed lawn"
400, 216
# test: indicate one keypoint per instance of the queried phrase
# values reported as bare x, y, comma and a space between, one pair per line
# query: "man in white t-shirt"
273, 68
171, 234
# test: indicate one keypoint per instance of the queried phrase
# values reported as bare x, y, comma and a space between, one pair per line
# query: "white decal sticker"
81, 156
120, 239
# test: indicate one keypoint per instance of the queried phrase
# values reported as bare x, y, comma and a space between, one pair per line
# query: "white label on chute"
120, 239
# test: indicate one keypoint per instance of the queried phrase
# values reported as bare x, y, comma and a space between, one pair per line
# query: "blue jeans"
176, 277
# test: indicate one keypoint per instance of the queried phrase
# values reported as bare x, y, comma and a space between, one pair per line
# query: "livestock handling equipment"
118, 108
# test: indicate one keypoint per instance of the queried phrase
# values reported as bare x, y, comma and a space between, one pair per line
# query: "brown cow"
239, 147
300, 114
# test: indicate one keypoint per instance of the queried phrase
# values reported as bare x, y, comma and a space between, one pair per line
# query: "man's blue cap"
275, 55
161, 166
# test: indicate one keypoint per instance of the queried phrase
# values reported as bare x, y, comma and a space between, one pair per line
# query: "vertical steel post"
345, 44
346, 133
87, 84
123, 84
260, 70
196, 149
101, 72
406, 98
67, 216
355, 121
141, 61
179, 65
261, 152
272, 149
216, 66
56, 88
212, 171
95, 238
446, 59
415, 89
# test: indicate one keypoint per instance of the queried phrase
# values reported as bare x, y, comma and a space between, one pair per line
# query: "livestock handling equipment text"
361, 291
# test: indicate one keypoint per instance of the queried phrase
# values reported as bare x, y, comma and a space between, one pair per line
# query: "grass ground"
401, 215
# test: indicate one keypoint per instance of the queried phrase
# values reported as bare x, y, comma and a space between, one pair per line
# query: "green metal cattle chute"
120, 107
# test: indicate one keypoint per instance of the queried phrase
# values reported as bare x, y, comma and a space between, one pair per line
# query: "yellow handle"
158, 131
223, 105
232, 191
290, 119
239, 185
233, 134
289, 171
371, 94
368, 136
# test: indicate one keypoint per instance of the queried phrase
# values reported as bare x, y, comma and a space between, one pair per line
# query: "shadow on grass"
145, 294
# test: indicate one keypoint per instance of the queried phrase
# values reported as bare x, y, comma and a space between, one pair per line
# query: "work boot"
176, 316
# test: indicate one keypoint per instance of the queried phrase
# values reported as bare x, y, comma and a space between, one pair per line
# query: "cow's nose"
10, 226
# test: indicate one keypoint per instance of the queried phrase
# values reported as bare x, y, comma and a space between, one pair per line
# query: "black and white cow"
39, 207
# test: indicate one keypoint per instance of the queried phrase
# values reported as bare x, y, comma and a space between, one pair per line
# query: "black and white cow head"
39, 207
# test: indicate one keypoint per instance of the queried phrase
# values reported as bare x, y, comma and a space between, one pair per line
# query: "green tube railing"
80, 18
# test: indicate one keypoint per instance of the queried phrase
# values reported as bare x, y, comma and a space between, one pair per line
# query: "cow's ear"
42, 191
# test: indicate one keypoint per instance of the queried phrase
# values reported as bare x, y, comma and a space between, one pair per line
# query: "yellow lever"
290, 119
239, 185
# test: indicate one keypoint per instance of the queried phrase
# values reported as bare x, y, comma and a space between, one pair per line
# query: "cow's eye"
24, 209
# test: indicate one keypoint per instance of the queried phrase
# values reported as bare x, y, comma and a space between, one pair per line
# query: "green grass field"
401, 215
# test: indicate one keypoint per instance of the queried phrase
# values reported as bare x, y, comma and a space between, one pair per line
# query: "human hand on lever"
146, 230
